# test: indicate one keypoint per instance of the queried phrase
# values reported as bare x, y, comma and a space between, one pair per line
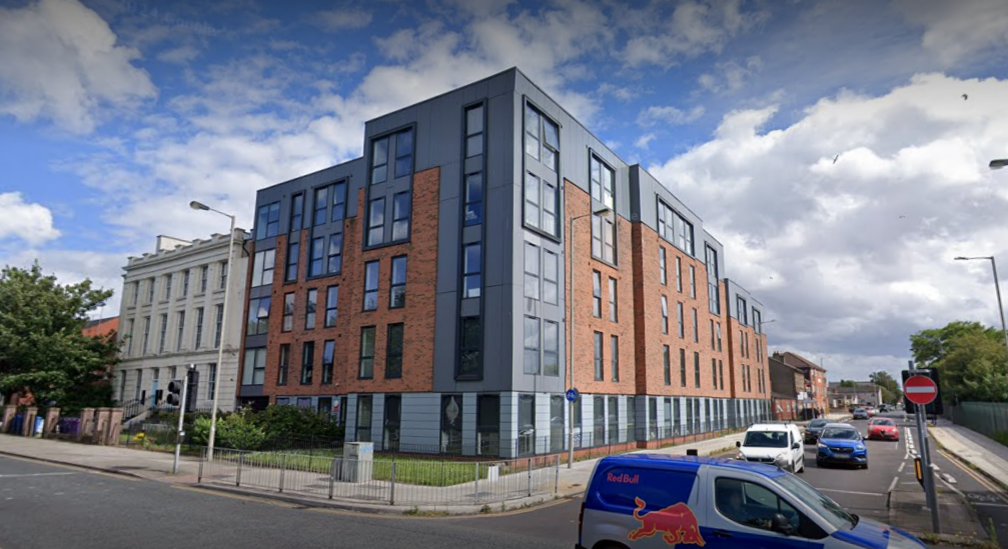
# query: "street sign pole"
924, 452
182, 406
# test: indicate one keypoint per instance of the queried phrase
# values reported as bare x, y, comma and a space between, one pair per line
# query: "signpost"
921, 390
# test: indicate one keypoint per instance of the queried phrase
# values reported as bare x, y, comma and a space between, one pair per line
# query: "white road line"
893, 484
36, 475
850, 492
902, 465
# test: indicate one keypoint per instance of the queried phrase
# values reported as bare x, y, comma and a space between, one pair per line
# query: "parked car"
882, 428
659, 500
872, 412
775, 443
860, 413
841, 443
814, 428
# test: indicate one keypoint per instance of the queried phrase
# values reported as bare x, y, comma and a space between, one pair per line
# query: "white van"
775, 443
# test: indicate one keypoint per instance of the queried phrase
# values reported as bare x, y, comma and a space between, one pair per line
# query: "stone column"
9, 411
52, 418
29, 421
115, 427
86, 423
101, 425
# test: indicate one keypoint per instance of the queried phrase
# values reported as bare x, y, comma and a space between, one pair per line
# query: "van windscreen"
766, 439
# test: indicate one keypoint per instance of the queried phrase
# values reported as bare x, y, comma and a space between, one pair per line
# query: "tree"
42, 347
971, 358
848, 383
891, 393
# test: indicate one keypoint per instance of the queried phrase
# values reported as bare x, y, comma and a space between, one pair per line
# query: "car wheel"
865, 466
818, 463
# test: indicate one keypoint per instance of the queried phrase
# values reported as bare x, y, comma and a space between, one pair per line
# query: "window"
321, 206
598, 356
713, 301
741, 342
696, 368
741, 310
719, 337
664, 315
531, 359
363, 425
262, 268
744, 386
612, 300
379, 160
451, 424
254, 371
692, 281
179, 330
682, 366
284, 365
328, 352
550, 276
541, 197
471, 277
339, 201
268, 221
204, 276
488, 425
310, 309
675, 228
371, 269
752, 505
219, 324
614, 357
404, 153
666, 361
713, 366
258, 316
474, 199
556, 423
185, 282
678, 274
470, 348
367, 350
393, 422
150, 290
713, 346
376, 222
531, 271
596, 294
400, 216
168, 286
394, 351
541, 138
331, 306
721, 373
696, 327
293, 251
317, 259
474, 131
532, 201
288, 312
307, 362
212, 382
745, 345
662, 270
222, 283
613, 419
603, 238
757, 322
164, 333
526, 425
682, 323
297, 212
598, 420
551, 348
602, 177
128, 336
335, 253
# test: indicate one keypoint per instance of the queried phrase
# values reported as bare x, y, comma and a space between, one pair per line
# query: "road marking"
893, 484
850, 492
992, 488
36, 475
902, 465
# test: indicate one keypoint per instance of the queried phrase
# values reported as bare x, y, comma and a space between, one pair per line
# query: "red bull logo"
676, 524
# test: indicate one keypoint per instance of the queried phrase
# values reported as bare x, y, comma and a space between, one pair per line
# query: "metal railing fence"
987, 418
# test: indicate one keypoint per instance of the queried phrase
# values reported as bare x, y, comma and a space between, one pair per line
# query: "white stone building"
171, 313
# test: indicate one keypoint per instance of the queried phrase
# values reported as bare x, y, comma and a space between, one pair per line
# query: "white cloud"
729, 76
859, 250
180, 55
672, 116
32, 223
59, 60
644, 140
623, 94
72, 266
342, 18
955, 30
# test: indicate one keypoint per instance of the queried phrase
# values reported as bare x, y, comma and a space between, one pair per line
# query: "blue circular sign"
572, 395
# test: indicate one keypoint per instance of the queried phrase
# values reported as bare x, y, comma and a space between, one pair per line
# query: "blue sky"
115, 113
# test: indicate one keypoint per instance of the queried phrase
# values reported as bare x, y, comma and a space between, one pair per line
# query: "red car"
882, 428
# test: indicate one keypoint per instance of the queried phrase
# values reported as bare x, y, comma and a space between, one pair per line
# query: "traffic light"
174, 397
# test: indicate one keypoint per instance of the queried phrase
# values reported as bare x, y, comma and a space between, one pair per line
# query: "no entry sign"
920, 389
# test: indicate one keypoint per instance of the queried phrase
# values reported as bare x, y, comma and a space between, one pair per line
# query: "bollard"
392, 489
556, 477
241, 459
202, 456
477, 481
283, 467
332, 476
530, 477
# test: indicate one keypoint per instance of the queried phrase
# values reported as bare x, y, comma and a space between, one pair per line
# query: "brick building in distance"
422, 291
816, 390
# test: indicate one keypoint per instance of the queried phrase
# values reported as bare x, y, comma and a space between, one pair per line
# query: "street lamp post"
997, 288
604, 212
220, 348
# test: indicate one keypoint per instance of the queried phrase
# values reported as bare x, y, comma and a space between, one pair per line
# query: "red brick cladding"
578, 202
648, 290
739, 357
417, 315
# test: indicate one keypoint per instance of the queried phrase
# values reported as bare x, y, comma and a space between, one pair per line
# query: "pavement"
988, 456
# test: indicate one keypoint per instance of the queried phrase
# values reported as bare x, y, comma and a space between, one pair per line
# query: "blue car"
840, 443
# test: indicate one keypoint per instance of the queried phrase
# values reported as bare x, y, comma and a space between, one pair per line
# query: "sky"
838, 149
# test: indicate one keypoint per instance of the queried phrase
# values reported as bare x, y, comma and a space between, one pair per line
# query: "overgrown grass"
1001, 437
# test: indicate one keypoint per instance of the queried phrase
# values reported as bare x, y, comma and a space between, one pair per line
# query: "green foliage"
891, 392
42, 347
848, 383
236, 430
279, 421
970, 357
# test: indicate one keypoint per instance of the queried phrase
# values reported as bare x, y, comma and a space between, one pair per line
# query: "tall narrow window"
367, 350
310, 309
603, 226
317, 260
339, 201
328, 357
696, 368
164, 333
404, 153
268, 221
542, 140
531, 271
718, 329
596, 294
549, 208
551, 348
335, 253
682, 321
262, 268
376, 222
692, 281
219, 324
613, 314
379, 160
168, 286
136, 297
394, 351
614, 357
662, 267
185, 282
293, 251
598, 356
470, 348
321, 206
331, 306
371, 269
223, 266
198, 335
397, 292
474, 198
550, 276
531, 359
678, 273
307, 362
401, 206
664, 315
474, 131
713, 300
696, 327
666, 362
713, 366
532, 211
180, 330
471, 274
675, 228
204, 278
741, 311
128, 336
682, 366
297, 212
757, 321
254, 371
284, 366
288, 312
721, 373
150, 289
365, 403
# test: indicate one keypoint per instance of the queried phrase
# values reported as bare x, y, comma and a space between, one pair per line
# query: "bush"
280, 421
236, 431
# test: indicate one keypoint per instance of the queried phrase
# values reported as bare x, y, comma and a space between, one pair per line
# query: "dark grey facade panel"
446, 328
353, 170
649, 190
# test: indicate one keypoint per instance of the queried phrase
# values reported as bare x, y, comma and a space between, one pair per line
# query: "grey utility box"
358, 462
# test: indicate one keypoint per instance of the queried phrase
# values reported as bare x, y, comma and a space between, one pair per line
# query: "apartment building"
171, 316
815, 397
422, 292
